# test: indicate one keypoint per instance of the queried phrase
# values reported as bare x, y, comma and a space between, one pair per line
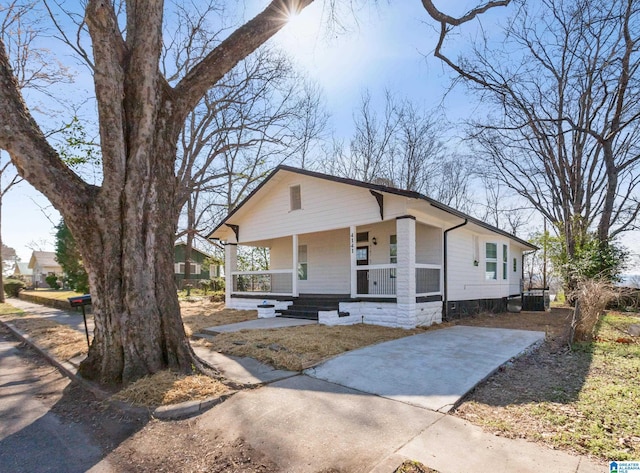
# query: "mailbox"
81, 301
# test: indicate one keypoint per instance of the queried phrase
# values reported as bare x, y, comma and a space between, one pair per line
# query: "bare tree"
565, 86
34, 68
128, 223
403, 148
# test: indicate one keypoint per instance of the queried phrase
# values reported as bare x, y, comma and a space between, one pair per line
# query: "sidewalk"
308, 425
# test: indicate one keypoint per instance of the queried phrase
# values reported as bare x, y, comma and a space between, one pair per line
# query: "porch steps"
306, 306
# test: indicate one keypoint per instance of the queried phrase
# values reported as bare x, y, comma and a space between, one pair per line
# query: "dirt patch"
555, 323
202, 314
186, 448
582, 398
297, 348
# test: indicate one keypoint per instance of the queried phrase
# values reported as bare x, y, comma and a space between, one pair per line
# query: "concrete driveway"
432, 370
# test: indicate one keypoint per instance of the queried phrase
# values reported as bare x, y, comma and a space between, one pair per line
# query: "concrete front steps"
306, 306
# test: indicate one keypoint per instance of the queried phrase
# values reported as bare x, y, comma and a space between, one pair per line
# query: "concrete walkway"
69, 317
308, 425
431, 370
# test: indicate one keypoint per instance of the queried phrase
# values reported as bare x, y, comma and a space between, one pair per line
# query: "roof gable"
44, 259
276, 177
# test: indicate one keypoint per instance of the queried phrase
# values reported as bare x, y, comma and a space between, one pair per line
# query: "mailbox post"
81, 301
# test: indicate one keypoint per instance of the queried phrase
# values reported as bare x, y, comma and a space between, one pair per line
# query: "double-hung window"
295, 198
393, 249
491, 261
505, 261
302, 263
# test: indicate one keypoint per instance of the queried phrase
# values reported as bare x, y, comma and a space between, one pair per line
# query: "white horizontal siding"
428, 244
326, 205
382, 231
328, 270
281, 253
466, 281
515, 275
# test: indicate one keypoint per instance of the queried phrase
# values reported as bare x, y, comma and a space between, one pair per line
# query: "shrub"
52, 281
217, 284
592, 297
13, 286
204, 285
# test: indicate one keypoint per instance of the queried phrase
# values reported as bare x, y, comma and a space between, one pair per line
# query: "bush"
204, 285
52, 281
592, 297
217, 284
13, 286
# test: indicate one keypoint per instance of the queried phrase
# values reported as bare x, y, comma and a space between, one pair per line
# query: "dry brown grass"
592, 297
167, 387
297, 348
555, 323
582, 398
411, 466
61, 341
202, 314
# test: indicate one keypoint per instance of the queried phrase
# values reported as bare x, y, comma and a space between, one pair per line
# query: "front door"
362, 259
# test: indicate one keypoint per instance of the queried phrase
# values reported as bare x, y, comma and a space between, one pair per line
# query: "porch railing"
376, 280
272, 282
427, 279
379, 280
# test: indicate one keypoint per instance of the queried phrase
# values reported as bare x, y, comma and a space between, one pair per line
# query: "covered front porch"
392, 267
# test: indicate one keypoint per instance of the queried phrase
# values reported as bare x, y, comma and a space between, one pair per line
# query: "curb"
70, 370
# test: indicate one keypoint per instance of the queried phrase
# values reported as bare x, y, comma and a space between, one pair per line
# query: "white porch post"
406, 271
294, 276
230, 265
352, 259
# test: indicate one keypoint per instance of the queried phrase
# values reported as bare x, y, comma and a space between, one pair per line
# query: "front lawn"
297, 348
8, 309
583, 399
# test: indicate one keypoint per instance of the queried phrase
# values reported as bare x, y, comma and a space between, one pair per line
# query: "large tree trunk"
127, 244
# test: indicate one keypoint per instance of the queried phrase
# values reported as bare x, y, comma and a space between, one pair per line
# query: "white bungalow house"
346, 251
42, 264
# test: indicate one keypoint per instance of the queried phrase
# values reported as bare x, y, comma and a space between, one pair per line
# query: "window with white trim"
505, 259
491, 261
393, 249
182, 266
295, 197
302, 263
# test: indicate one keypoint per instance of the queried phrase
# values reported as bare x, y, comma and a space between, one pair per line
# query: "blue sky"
389, 46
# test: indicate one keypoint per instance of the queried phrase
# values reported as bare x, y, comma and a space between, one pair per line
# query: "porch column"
353, 263
294, 276
406, 271
230, 265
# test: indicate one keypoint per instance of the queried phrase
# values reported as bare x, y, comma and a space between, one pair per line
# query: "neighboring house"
22, 270
43, 263
346, 251
198, 272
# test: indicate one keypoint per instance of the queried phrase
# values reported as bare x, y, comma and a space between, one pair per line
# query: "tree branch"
230, 52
